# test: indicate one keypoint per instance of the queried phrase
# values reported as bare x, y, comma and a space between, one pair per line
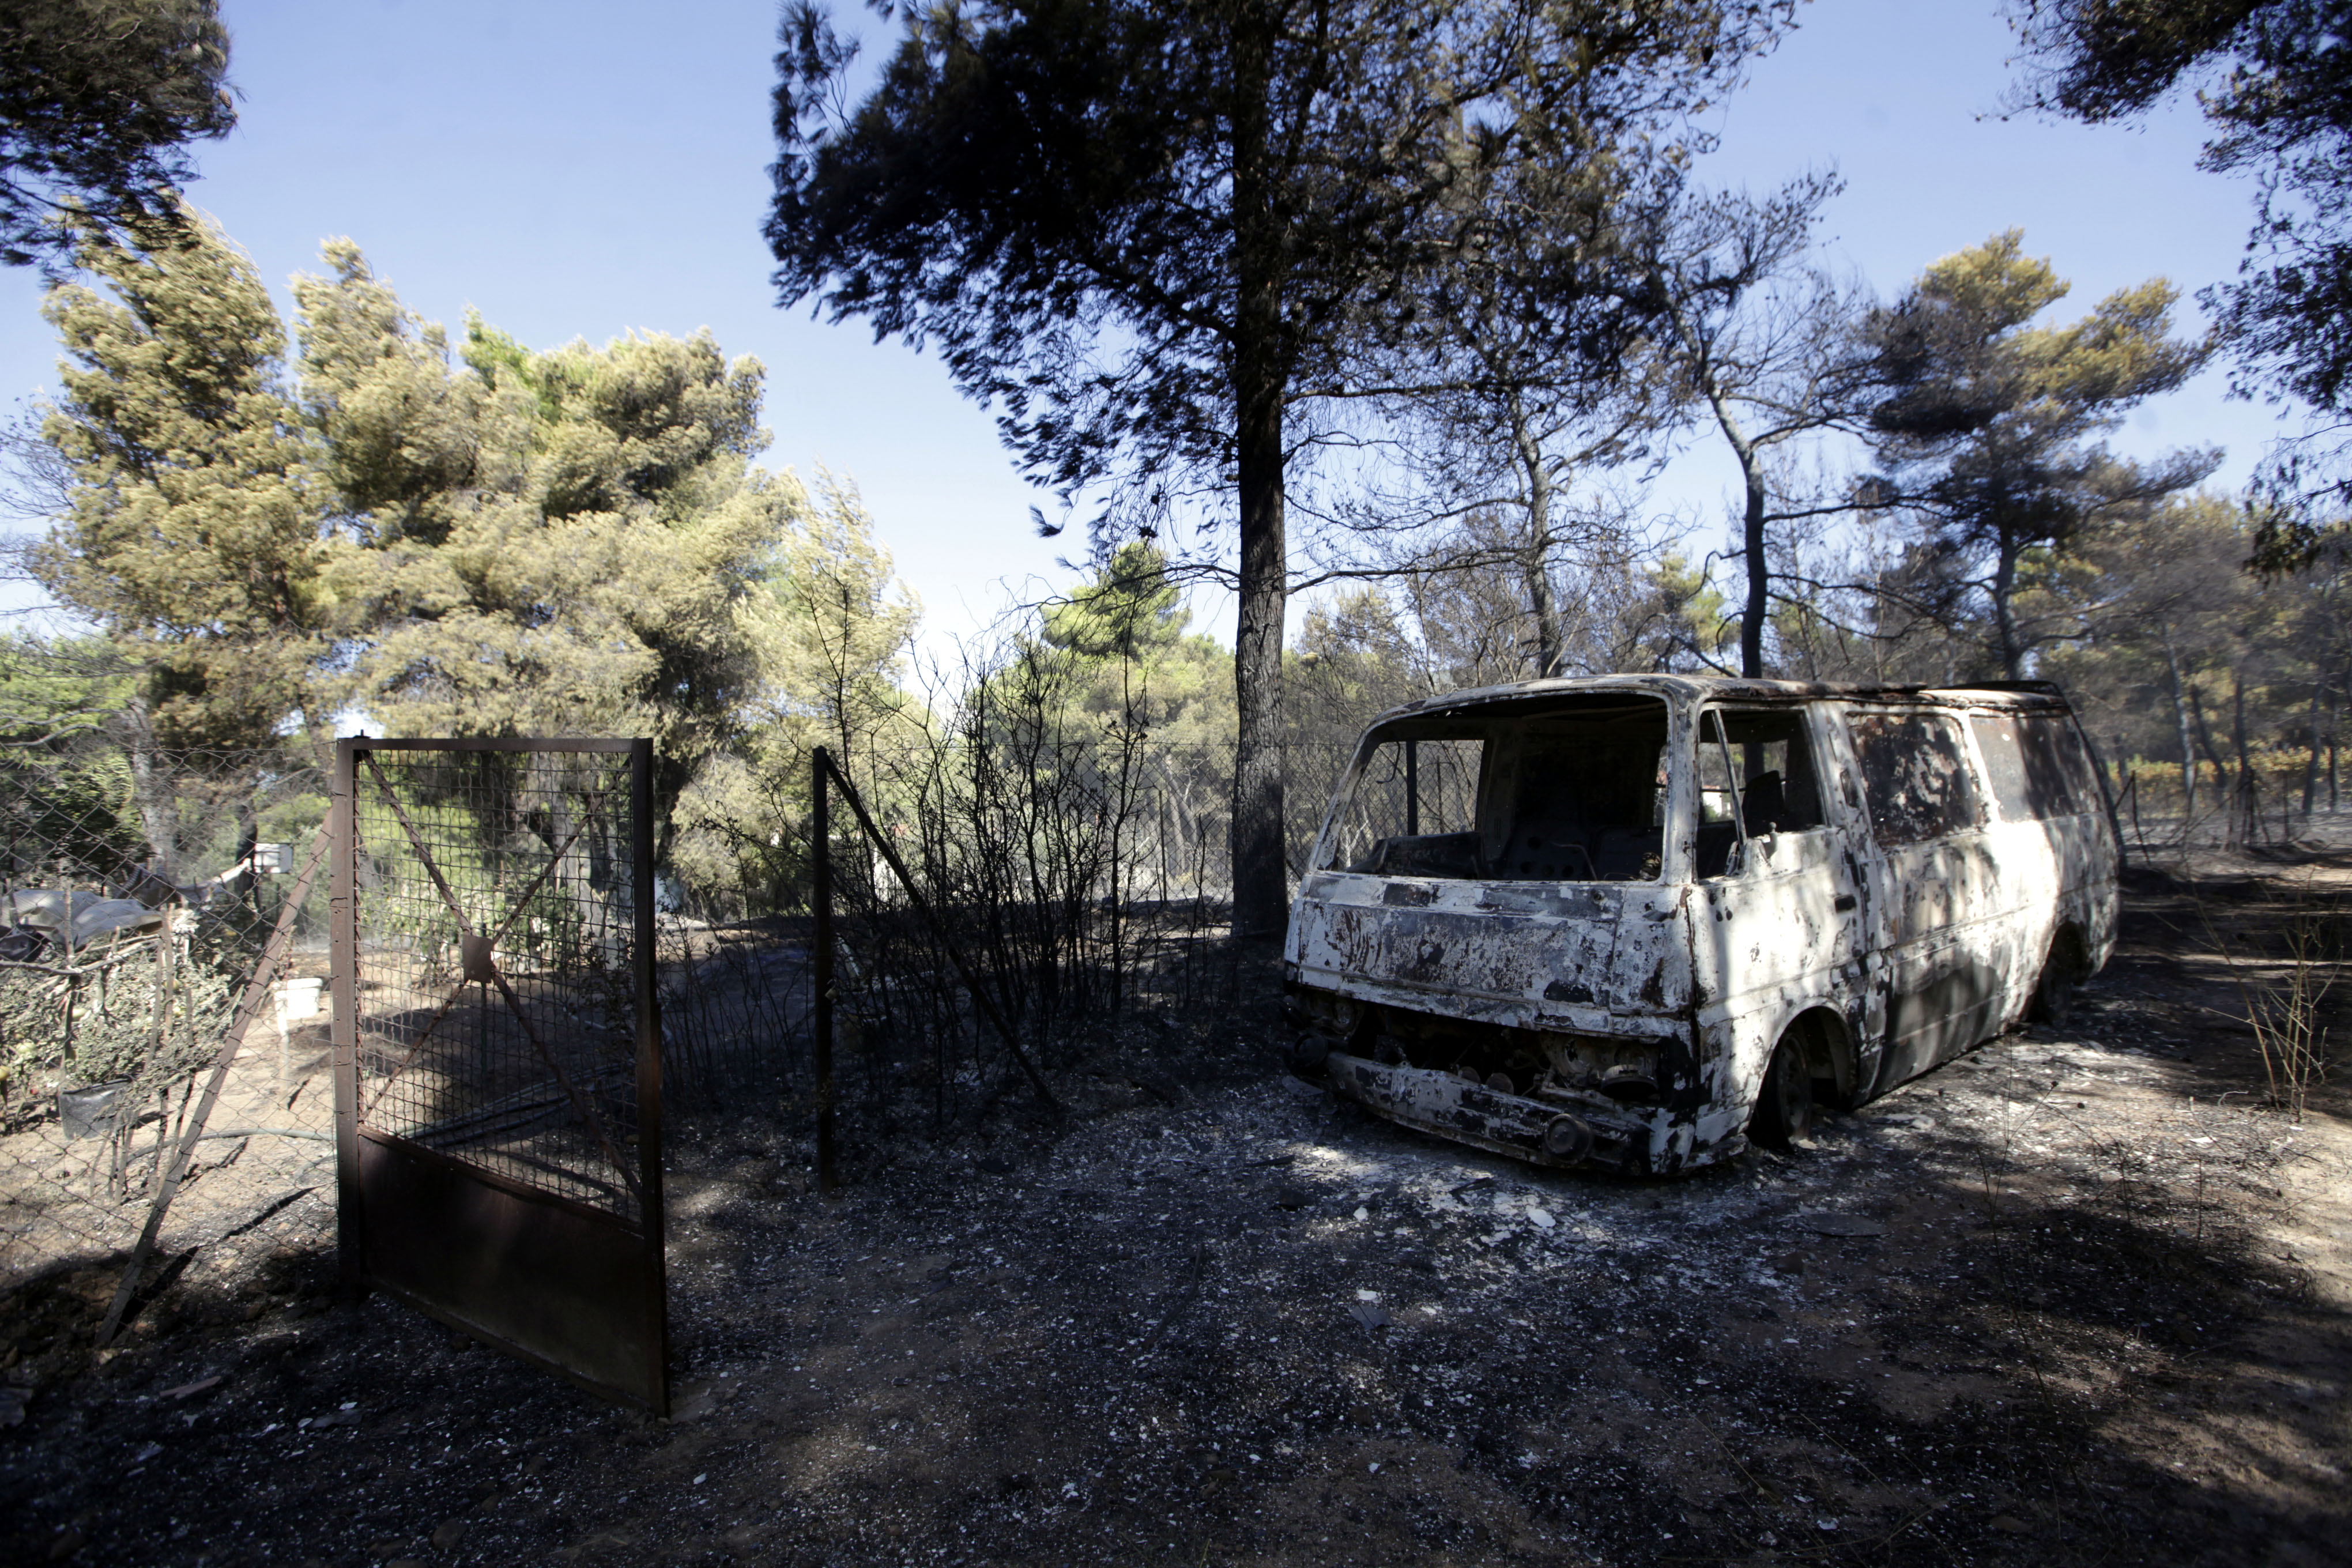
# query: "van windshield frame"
1573, 789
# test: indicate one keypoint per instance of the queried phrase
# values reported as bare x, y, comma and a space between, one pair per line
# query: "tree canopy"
1152, 236
1989, 423
192, 536
97, 101
498, 541
563, 541
1768, 343
2274, 81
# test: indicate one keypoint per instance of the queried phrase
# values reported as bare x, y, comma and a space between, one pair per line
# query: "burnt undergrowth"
2054, 1324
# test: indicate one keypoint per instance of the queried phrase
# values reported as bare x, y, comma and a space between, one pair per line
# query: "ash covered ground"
2073, 1299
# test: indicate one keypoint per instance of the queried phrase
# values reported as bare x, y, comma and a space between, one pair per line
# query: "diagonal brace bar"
408, 1058
466, 930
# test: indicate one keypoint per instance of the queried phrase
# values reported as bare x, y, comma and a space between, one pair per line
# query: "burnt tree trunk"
2250, 825
1261, 882
2004, 614
2311, 758
2188, 742
152, 794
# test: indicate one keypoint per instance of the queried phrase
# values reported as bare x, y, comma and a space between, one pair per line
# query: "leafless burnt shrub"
1066, 860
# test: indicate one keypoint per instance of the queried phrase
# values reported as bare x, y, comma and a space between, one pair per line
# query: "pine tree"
1154, 236
562, 542
1988, 428
193, 537
835, 623
98, 98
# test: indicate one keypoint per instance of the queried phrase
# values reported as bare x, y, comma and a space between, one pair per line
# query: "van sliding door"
1934, 886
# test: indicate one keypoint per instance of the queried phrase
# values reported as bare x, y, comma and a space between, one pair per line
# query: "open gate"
497, 1060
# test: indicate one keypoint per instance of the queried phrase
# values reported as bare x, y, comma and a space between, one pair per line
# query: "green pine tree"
192, 537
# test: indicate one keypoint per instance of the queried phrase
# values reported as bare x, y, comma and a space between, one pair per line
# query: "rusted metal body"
498, 1051
1581, 921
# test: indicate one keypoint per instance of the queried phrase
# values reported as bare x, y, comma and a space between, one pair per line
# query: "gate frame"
343, 943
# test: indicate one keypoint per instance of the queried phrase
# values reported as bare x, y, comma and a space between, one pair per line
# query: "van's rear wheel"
1784, 1105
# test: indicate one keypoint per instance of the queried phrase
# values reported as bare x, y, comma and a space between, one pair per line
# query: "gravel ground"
2069, 1300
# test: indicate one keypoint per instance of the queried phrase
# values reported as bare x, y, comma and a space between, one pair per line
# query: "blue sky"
583, 169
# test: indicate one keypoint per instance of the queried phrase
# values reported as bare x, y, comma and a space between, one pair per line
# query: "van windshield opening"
1560, 791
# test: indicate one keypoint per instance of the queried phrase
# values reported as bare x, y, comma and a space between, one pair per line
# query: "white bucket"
298, 999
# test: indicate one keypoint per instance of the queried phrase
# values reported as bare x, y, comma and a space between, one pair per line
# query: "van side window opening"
2003, 752
2036, 765
1560, 793
1756, 775
2058, 767
1916, 773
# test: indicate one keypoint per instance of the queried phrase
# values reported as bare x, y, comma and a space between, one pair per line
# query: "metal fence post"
643, 938
821, 959
343, 986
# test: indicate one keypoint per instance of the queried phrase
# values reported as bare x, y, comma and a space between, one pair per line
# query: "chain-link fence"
1079, 876
138, 888
2272, 798
1077, 869
1079, 887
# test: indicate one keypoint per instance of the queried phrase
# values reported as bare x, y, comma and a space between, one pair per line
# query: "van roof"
1701, 687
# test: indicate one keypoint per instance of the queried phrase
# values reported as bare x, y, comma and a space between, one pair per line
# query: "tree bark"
1752, 538
2205, 740
2188, 742
152, 794
2004, 588
2246, 807
1261, 880
2335, 707
1751, 527
2311, 760
1551, 641
1759, 574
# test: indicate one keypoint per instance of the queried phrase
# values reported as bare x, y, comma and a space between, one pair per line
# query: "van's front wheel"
1784, 1105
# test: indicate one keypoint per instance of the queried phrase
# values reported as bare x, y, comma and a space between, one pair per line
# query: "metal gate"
498, 1061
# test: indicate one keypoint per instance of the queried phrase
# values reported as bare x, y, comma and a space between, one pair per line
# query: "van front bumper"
1451, 1106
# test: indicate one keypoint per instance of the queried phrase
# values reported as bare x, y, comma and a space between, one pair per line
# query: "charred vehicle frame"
1633, 922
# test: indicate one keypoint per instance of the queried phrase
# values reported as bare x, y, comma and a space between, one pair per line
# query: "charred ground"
2073, 1299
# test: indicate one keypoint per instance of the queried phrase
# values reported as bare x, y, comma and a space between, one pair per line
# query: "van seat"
1715, 842
1623, 854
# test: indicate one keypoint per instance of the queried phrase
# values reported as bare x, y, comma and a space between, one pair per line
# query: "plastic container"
91, 1112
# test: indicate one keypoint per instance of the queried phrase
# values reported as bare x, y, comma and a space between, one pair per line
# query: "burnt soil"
2077, 1298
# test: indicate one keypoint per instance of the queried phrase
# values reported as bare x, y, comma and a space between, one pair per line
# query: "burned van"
1635, 921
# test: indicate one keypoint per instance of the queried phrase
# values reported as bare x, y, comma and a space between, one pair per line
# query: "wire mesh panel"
138, 885
499, 1080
